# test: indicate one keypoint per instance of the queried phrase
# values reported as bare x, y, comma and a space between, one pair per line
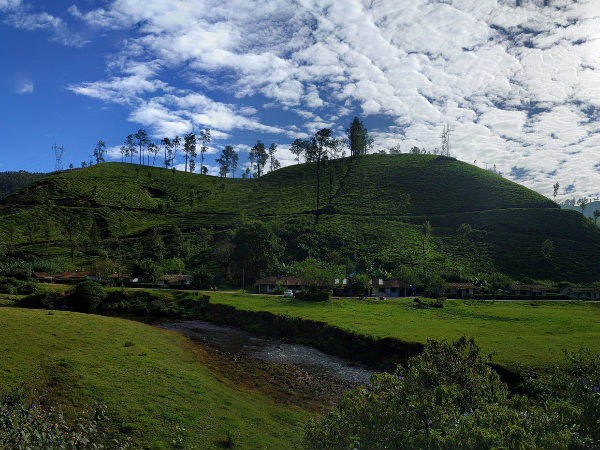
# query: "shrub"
48, 300
322, 296
30, 425
14, 286
446, 397
87, 296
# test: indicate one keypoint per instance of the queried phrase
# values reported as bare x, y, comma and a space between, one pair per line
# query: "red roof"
528, 287
72, 275
42, 275
176, 278
119, 276
461, 286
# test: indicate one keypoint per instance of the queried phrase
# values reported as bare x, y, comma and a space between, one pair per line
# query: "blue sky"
518, 86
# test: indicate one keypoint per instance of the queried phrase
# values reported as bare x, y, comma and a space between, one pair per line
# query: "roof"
583, 289
119, 275
72, 275
176, 278
391, 283
285, 281
41, 275
461, 285
528, 287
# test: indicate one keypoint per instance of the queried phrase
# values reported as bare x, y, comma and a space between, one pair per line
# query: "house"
528, 290
73, 277
389, 288
176, 280
581, 293
120, 277
460, 290
269, 284
42, 276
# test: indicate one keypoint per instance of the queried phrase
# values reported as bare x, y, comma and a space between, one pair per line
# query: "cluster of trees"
13, 181
449, 397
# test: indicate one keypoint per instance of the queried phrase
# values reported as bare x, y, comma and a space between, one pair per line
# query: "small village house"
389, 288
270, 284
176, 280
42, 276
528, 290
581, 293
73, 277
460, 290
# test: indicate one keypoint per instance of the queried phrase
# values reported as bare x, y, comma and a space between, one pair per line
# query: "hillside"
378, 203
13, 181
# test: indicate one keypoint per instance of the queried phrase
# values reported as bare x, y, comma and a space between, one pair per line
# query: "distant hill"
378, 204
13, 181
587, 212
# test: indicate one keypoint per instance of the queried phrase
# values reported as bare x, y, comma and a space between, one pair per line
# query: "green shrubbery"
87, 296
32, 426
448, 397
14, 286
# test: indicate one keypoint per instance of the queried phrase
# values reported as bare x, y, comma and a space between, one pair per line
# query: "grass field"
153, 381
532, 335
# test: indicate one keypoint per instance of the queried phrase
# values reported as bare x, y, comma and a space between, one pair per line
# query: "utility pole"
58, 154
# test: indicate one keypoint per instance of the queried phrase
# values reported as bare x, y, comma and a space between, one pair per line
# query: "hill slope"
371, 212
13, 181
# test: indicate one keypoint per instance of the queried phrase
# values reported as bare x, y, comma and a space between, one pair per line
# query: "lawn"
153, 381
528, 334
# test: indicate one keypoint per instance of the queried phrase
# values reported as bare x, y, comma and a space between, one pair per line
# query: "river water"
232, 340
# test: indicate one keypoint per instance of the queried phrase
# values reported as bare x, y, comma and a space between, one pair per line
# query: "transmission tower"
58, 154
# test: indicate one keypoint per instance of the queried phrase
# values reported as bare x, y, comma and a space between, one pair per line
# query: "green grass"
379, 203
152, 380
528, 334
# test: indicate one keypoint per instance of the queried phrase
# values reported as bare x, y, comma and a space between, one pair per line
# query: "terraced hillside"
371, 214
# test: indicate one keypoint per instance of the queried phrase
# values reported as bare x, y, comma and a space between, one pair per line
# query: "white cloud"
25, 87
519, 86
6, 5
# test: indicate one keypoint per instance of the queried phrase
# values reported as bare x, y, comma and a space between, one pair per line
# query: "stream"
247, 345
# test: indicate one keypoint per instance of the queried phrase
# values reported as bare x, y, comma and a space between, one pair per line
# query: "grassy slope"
154, 384
518, 333
386, 197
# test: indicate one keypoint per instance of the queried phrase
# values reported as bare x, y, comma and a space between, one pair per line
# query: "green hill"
13, 181
372, 210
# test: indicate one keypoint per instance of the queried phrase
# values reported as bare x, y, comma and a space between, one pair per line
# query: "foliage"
447, 397
26, 425
256, 251
319, 275
17, 287
87, 296
147, 270
45, 299
13, 181
360, 284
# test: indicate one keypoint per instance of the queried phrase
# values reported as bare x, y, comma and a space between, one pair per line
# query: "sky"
517, 82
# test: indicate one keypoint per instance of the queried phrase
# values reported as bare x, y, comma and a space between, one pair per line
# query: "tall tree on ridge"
205, 138
298, 148
142, 141
234, 162
358, 137
99, 151
130, 145
168, 147
189, 147
176, 144
555, 188
275, 164
225, 160
259, 155
154, 149
321, 143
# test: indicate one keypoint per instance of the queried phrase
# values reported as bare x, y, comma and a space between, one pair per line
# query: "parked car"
288, 293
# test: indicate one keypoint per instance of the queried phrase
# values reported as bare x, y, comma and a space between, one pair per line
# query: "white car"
288, 293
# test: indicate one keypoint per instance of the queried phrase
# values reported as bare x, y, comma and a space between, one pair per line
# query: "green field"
378, 203
153, 382
532, 335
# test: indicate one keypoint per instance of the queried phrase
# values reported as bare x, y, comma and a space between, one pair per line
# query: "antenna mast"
58, 154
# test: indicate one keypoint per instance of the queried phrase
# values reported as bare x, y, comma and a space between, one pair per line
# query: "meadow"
155, 383
528, 335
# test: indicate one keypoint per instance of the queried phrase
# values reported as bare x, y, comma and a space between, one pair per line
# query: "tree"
274, 162
168, 148
358, 137
130, 146
205, 138
142, 141
320, 145
234, 162
256, 251
555, 187
99, 151
258, 156
547, 249
582, 203
226, 160
395, 150
319, 275
298, 148
70, 225
176, 144
596, 215
446, 397
153, 149
189, 147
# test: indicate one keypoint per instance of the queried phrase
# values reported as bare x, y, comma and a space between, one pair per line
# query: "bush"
13, 286
322, 296
87, 296
48, 300
449, 397
30, 425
